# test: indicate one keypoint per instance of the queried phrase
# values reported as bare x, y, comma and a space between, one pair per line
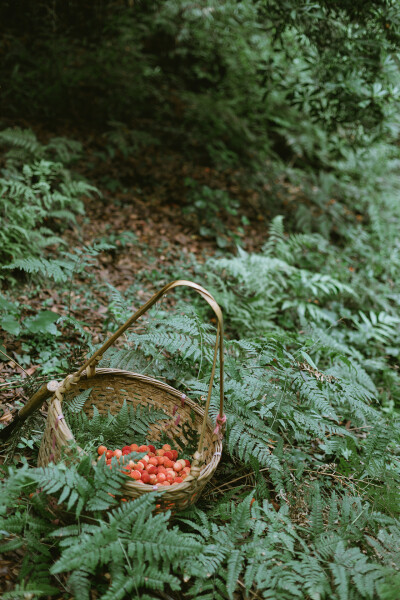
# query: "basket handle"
90, 364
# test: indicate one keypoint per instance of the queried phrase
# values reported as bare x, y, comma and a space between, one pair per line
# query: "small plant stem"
14, 361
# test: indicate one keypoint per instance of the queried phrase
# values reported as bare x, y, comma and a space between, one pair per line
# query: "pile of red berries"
156, 467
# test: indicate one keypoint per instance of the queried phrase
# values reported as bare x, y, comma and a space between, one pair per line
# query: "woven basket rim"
152, 380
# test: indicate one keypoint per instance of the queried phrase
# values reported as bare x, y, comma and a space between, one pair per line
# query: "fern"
56, 269
30, 590
316, 516
114, 430
21, 138
76, 404
35, 188
131, 535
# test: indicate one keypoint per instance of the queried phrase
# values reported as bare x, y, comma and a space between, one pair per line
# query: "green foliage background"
299, 103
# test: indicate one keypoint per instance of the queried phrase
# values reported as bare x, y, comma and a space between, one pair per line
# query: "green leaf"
11, 325
308, 359
10, 307
42, 323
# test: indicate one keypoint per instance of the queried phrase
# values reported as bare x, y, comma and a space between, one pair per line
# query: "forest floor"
141, 211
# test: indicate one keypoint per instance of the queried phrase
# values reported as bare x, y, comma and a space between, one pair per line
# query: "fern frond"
56, 269
76, 404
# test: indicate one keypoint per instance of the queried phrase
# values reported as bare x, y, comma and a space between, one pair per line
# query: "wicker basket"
111, 387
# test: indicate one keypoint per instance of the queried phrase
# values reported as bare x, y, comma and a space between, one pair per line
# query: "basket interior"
182, 427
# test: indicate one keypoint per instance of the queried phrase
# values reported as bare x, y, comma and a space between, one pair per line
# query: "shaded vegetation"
270, 131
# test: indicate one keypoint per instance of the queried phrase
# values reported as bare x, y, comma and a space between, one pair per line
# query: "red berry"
140, 465
161, 477
178, 480
153, 461
187, 463
169, 454
151, 448
160, 460
174, 454
145, 477
135, 475
117, 453
170, 478
165, 483
160, 452
101, 450
126, 450
153, 479
166, 447
178, 467
134, 447
162, 469
152, 470
109, 454
143, 448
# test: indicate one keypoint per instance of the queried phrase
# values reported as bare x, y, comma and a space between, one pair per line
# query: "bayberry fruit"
145, 477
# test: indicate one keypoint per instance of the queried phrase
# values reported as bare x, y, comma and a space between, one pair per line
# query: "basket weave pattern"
111, 387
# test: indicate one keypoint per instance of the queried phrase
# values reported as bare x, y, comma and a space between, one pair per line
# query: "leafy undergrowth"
305, 502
